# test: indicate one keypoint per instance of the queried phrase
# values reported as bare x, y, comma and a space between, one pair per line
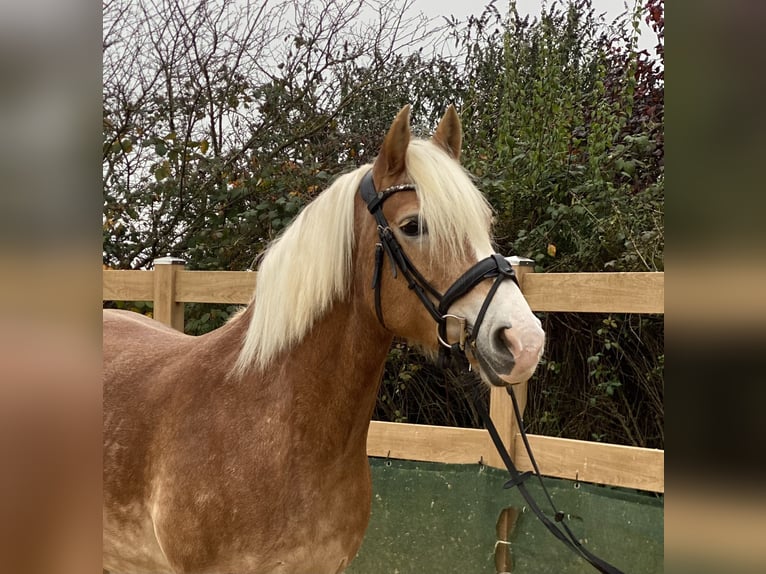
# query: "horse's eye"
412, 228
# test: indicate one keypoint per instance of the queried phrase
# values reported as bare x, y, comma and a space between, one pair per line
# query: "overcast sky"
462, 8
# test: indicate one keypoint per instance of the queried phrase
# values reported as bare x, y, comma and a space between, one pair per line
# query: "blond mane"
308, 267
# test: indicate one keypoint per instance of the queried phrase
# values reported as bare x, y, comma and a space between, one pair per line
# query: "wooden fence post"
500, 405
166, 309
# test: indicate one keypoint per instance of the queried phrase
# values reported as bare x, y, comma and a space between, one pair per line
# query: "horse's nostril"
514, 352
512, 342
524, 347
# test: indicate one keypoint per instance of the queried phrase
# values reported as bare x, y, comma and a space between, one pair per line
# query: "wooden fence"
169, 286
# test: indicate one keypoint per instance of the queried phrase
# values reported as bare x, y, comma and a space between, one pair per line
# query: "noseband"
494, 266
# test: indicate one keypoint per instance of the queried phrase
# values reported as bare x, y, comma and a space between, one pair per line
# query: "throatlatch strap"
376, 281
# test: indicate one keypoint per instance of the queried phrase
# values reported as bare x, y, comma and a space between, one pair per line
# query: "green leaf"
162, 171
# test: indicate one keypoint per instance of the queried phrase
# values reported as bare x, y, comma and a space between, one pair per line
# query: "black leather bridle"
494, 266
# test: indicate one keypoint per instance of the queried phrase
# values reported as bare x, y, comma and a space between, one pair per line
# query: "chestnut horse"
244, 450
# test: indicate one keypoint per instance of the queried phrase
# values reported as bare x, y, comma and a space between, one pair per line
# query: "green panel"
442, 518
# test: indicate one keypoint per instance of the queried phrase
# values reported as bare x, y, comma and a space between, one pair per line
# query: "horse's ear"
391, 159
449, 134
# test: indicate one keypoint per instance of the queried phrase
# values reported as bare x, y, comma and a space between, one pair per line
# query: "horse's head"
425, 245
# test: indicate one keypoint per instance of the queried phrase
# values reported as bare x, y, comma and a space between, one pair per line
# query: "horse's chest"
311, 524
319, 534
133, 544
130, 543
330, 558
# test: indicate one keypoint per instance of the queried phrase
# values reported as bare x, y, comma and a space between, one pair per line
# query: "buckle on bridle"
504, 266
463, 331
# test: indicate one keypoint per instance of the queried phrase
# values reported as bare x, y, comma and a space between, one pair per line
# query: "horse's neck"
328, 382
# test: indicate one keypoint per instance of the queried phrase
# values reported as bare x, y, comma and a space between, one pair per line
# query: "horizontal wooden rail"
451, 445
123, 285
575, 292
601, 463
215, 286
596, 292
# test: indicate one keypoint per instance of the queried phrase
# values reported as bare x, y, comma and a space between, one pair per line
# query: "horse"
244, 449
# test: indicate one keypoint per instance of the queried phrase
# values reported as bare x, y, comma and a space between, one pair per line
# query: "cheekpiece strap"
388, 245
